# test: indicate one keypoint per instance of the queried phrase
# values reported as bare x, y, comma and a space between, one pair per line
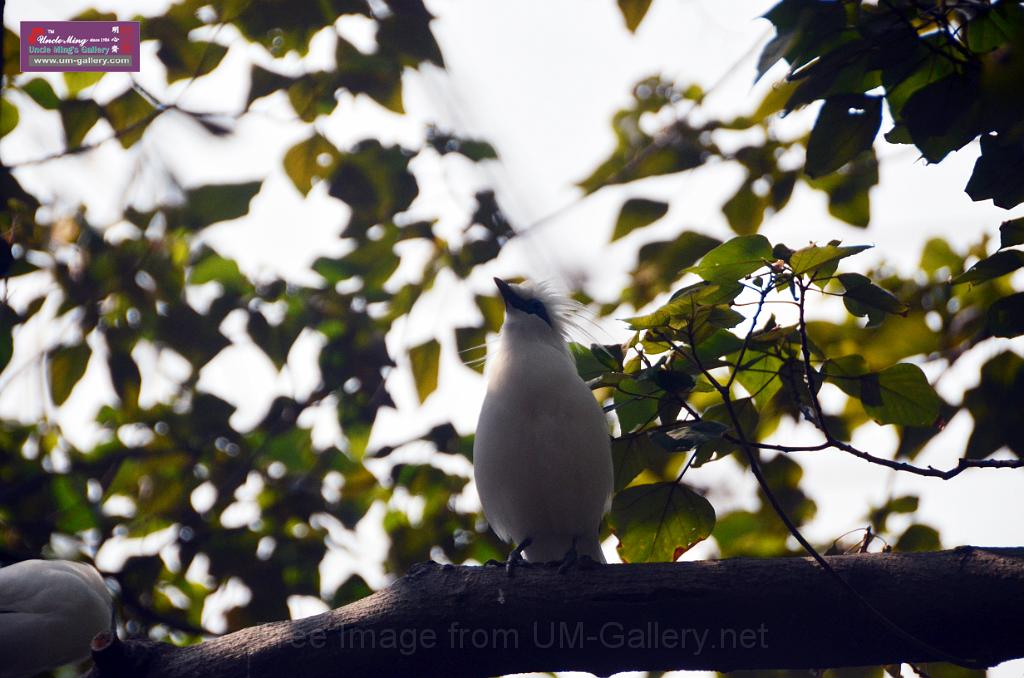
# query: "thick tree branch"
732, 614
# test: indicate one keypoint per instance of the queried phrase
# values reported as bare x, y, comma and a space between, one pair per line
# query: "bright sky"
540, 80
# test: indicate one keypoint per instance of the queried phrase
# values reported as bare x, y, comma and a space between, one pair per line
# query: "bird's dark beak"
508, 294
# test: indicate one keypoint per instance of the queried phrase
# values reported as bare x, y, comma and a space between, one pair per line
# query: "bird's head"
536, 310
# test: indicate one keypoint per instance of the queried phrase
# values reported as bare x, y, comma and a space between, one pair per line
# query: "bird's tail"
548, 548
591, 547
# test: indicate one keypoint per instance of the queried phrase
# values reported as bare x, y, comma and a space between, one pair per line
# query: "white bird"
50, 610
542, 454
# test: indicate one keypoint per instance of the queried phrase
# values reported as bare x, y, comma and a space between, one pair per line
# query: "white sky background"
540, 80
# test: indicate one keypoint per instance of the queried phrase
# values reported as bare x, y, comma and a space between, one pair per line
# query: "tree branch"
743, 613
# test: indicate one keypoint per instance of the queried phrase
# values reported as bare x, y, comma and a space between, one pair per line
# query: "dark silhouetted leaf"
997, 172
864, 298
129, 115
846, 127
1000, 392
807, 259
919, 538
214, 203
78, 118
1011, 233
999, 264
637, 213
67, 365
1006, 316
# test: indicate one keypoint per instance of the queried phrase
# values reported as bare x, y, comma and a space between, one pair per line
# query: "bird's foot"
575, 561
569, 560
515, 557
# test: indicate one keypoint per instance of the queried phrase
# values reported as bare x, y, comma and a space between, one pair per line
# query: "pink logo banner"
79, 46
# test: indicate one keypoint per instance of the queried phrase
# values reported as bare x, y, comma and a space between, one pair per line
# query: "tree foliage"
726, 342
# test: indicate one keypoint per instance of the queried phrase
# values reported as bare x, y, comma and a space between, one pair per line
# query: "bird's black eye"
537, 308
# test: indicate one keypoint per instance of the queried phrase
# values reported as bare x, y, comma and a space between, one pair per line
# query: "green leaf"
1006, 316
721, 342
637, 213
659, 522
689, 435
862, 297
659, 264
8, 319
919, 538
999, 393
734, 259
76, 81
849, 187
185, 58
999, 264
745, 209
807, 259
215, 268
845, 372
471, 343
129, 115
900, 394
263, 82
637, 403
78, 117
11, 53
282, 27
425, 360
749, 418
406, 32
944, 115
938, 254
1011, 233
493, 311
690, 301
759, 375
631, 456
633, 12
67, 365
846, 126
214, 203
375, 181
474, 149
8, 117
588, 365
73, 511
378, 75
312, 95
42, 93
124, 376
312, 158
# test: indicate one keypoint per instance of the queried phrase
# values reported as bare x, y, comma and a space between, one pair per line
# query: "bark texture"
743, 613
